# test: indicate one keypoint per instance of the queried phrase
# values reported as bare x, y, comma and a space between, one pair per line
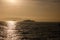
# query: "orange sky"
48, 10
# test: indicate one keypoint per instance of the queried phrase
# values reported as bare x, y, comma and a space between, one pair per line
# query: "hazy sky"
40, 10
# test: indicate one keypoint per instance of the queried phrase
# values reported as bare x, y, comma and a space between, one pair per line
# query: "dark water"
29, 30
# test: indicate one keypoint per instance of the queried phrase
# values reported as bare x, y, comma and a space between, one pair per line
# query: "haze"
39, 10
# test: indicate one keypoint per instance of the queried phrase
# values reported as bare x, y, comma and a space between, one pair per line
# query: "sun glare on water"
11, 24
11, 30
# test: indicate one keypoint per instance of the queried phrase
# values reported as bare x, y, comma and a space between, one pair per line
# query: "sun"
11, 1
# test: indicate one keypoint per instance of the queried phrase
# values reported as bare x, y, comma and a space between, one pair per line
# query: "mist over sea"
29, 30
